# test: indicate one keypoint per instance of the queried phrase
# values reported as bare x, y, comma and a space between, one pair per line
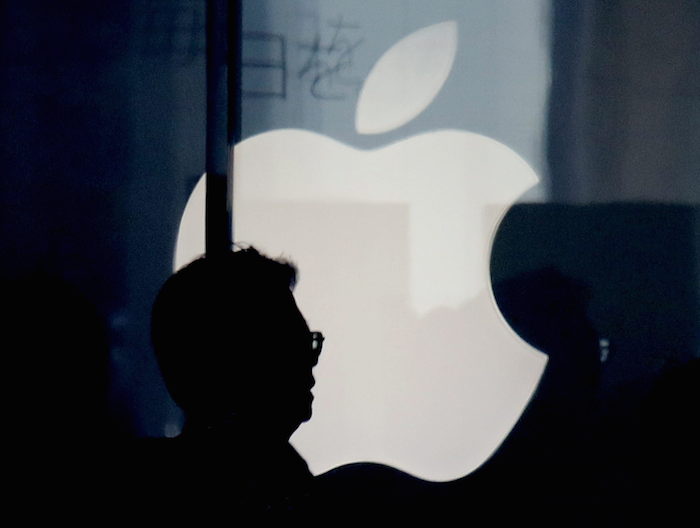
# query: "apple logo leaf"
406, 79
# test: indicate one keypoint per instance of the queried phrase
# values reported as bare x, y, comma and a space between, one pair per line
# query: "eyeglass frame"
317, 340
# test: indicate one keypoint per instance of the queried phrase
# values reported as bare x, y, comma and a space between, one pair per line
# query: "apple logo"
420, 371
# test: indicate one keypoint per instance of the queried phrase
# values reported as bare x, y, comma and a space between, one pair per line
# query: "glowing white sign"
419, 371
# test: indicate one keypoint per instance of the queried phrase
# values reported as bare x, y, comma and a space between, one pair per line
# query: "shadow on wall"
632, 268
637, 263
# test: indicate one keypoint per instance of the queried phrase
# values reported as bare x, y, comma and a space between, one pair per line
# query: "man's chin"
305, 414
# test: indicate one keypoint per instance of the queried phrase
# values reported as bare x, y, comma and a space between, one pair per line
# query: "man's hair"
207, 317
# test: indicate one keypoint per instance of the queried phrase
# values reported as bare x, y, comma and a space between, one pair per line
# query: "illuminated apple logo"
419, 371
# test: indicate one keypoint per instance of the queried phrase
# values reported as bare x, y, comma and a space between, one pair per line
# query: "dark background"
102, 140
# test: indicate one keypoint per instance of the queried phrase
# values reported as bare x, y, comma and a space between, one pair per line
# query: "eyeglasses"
317, 342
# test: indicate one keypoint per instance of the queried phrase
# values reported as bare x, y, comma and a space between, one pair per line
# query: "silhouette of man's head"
230, 341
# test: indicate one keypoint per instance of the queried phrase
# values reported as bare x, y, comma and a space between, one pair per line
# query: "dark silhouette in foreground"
236, 355
669, 445
57, 431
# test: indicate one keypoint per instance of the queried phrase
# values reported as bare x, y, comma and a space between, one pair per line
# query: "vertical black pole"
218, 198
235, 32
